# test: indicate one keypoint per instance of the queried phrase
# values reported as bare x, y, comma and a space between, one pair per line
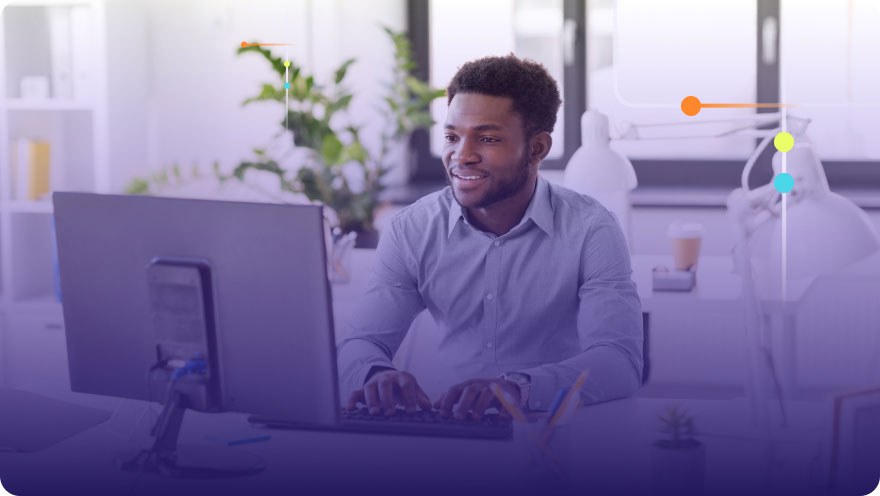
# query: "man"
529, 283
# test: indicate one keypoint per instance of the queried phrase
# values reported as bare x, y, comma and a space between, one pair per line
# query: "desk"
609, 445
606, 448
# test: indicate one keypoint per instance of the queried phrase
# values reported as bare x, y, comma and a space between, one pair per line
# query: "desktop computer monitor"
152, 284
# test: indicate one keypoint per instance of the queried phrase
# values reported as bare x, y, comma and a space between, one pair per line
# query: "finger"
371, 393
466, 402
386, 394
355, 398
450, 399
408, 391
424, 401
439, 402
483, 403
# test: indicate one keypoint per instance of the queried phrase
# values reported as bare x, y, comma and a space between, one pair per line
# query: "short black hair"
533, 90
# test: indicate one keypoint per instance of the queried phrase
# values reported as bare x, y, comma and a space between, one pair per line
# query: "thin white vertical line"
286, 90
784, 168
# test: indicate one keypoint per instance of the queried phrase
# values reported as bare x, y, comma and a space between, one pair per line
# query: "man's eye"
450, 138
489, 139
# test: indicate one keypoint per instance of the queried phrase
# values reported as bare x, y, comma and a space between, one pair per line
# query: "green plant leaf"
331, 149
340, 104
138, 186
267, 166
354, 152
342, 70
308, 131
268, 92
276, 62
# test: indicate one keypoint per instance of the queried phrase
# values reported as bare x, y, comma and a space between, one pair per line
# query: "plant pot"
678, 469
367, 239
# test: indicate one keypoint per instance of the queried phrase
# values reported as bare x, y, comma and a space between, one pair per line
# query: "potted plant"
337, 170
678, 461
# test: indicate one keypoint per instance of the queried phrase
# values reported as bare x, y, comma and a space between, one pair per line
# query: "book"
31, 169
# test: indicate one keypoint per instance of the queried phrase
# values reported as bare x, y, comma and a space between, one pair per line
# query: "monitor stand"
166, 458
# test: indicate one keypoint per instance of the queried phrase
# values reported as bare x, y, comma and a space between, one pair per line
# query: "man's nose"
465, 153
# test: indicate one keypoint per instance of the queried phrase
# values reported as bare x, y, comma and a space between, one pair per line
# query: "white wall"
128, 90
194, 83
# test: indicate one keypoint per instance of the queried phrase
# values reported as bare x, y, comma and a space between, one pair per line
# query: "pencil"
512, 409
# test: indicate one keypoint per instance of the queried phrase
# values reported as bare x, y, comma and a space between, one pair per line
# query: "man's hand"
387, 389
474, 397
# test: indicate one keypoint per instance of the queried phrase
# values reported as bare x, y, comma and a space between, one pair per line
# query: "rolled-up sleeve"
383, 315
609, 325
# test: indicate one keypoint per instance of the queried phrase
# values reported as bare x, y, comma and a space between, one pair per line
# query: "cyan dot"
783, 182
287, 86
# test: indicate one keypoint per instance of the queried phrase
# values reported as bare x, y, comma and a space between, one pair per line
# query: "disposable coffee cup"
686, 238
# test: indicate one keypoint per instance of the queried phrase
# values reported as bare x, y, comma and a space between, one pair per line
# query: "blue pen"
557, 401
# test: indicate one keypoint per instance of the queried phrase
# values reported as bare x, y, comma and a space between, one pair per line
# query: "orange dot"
691, 105
244, 44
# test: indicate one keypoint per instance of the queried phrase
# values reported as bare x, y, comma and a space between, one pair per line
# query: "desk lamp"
822, 231
797, 228
597, 170
826, 231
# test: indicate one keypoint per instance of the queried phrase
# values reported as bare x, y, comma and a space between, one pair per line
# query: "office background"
96, 95
158, 83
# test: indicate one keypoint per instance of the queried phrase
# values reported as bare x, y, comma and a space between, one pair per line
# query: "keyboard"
421, 423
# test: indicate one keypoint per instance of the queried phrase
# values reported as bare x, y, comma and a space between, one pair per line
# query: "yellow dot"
286, 63
783, 141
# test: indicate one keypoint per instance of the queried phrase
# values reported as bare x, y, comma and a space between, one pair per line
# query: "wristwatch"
523, 382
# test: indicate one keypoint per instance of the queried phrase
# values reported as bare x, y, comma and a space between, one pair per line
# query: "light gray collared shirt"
550, 298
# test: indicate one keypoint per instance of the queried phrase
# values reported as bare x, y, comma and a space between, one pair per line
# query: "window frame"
652, 173
428, 168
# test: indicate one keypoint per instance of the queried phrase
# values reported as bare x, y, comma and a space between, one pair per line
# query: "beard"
499, 190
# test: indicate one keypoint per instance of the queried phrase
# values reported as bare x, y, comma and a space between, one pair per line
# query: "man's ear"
539, 147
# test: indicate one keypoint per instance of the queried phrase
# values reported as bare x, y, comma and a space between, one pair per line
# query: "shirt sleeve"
609, 325
383, 315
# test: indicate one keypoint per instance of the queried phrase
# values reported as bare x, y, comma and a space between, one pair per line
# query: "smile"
466, 178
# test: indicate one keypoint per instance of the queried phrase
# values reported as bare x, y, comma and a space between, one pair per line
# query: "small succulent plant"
679, 425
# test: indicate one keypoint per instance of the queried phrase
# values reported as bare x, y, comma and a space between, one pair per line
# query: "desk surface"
605, 446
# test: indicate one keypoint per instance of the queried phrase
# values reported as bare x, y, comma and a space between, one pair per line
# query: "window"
544, 30
830, 70
641, 69
636, 59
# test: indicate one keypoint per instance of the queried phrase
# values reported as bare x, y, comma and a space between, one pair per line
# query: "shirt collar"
540, 210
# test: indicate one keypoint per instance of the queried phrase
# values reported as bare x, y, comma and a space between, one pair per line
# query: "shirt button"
497, 243
489, 344
490, 297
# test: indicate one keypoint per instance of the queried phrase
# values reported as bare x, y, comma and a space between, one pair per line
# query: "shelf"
46, 104
45, 305
31, 207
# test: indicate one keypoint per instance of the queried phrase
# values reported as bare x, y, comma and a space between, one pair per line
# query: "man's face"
485, 150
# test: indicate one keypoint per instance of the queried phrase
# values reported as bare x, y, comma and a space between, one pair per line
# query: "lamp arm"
747, 170
630, 131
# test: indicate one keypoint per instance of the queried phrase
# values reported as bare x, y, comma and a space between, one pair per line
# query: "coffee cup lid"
683, 229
